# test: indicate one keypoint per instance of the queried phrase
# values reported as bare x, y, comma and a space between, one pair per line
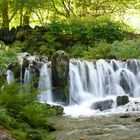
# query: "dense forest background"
90, 29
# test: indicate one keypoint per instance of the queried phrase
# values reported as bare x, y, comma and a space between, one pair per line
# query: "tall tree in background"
59, 9
7, 13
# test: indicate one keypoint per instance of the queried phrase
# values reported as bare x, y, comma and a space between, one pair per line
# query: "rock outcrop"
60, 70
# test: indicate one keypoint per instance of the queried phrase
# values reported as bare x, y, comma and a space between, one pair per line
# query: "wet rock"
133, 65
114, 65
133, 106
25, 64
51, 128
125, 116
60, 70
102, 105
59, 110
137, 120
35, 73
127, 86
122, 100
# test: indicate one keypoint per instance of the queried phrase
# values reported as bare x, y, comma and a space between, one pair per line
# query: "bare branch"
57, 9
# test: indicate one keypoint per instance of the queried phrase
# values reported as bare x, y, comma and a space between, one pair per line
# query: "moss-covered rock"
58, 109
60, 70
122, 100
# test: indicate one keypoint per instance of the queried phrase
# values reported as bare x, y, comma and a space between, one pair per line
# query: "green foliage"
77, 51
7, 55
84, 32
5, 119
75, 36
102, 50
104, 29
13, 100
126, 49
36, 115
22, 115
18, 44
123, 50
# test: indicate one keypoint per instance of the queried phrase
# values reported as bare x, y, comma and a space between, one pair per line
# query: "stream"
104, 127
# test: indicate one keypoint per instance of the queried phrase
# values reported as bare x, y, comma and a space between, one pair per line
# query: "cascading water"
27, 76
90, 82
99, 80
45, 83
10, 77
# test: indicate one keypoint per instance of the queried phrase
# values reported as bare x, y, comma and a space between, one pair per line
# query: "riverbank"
110, 127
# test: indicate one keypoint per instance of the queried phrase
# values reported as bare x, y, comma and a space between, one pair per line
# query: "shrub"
77, 51
102, 50
126, 49
14, 99
36, 115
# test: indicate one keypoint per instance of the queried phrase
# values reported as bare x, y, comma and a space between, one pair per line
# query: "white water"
101, 80
10, 77
27, 76
45, 83
91, 81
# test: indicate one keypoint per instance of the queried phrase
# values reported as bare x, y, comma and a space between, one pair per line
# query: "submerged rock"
122, 100
103, 105
60, 74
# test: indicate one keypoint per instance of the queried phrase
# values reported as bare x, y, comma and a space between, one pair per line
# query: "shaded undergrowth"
23, 116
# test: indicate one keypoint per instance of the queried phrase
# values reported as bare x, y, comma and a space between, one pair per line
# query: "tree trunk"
26, 20
5, 17
21, 16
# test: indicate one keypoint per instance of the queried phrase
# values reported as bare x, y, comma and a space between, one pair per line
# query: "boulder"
122, 100
59, 109
60, 75
103, 105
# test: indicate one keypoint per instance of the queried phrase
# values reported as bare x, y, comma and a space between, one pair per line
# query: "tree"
6, 12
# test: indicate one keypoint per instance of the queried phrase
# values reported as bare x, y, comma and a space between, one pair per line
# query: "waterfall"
103, 78
27, 76
10, 77
45, 83
92, 81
